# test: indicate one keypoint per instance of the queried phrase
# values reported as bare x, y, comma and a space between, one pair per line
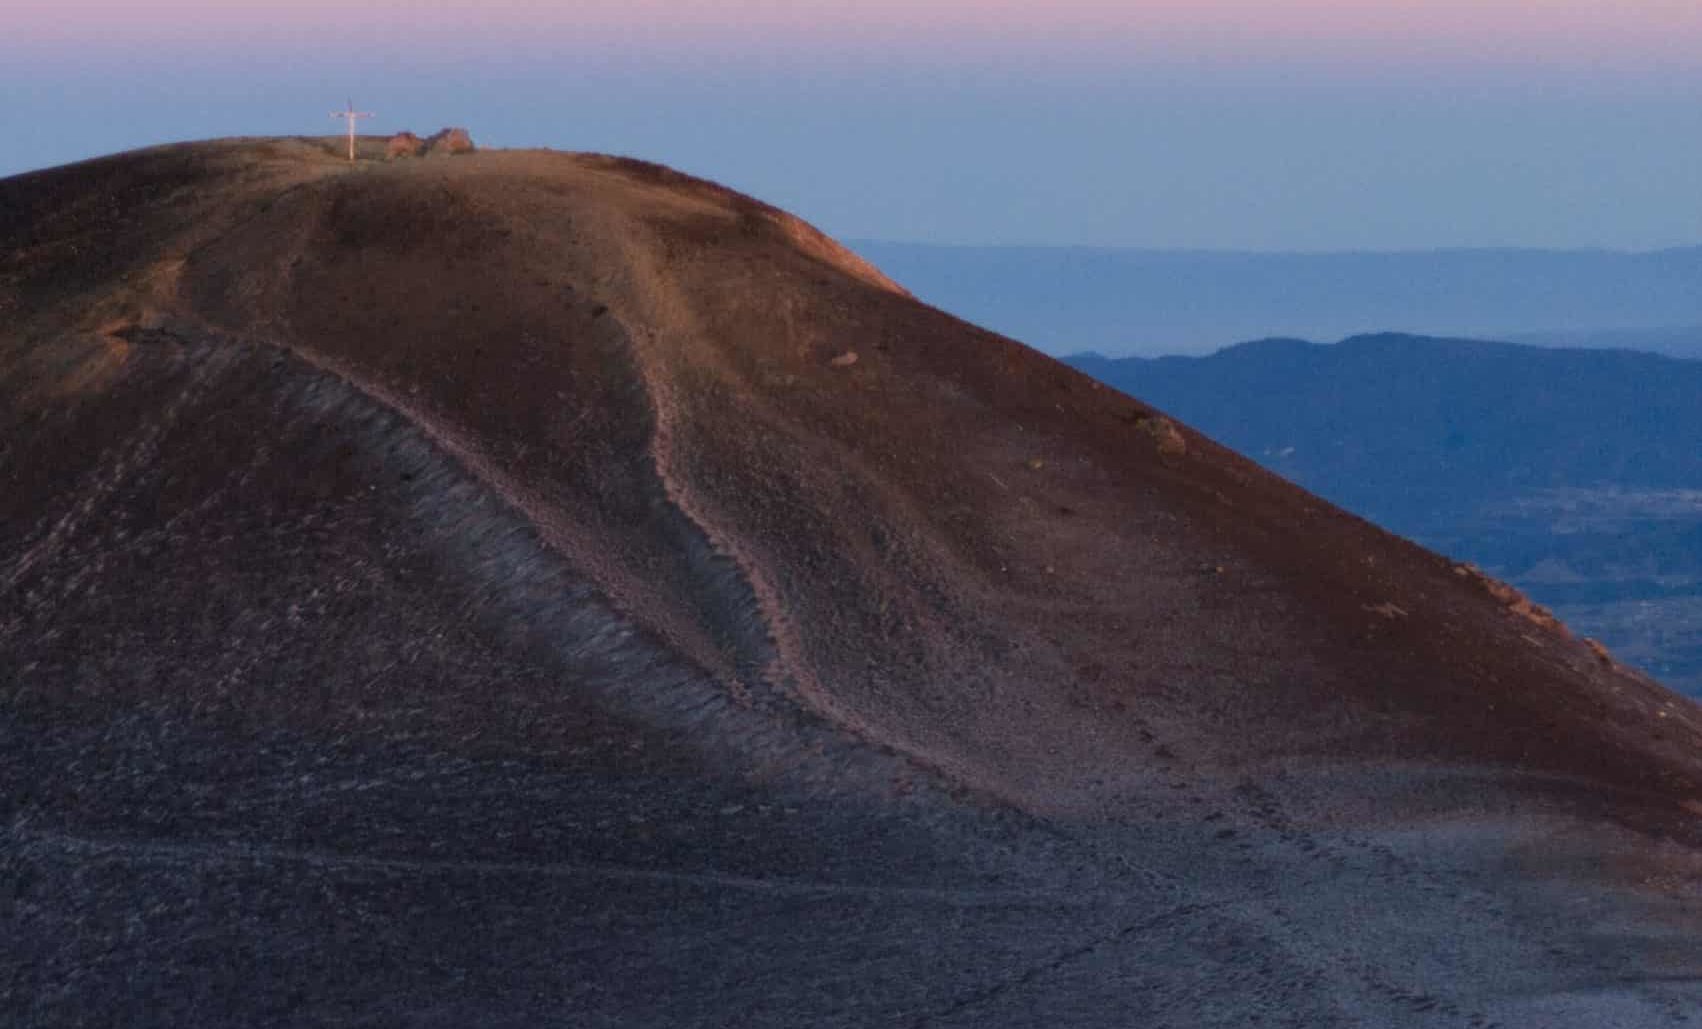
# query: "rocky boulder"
403, 144
449, 142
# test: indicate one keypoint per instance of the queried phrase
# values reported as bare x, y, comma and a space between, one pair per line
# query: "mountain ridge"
537, 582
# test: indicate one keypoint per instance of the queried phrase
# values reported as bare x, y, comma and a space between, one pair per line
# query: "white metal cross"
351, 116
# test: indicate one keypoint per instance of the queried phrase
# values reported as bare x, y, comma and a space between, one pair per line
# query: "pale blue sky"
1265, 154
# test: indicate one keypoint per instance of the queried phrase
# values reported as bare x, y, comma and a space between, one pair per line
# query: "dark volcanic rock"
471, 592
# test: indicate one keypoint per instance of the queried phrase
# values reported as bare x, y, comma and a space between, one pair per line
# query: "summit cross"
351, 116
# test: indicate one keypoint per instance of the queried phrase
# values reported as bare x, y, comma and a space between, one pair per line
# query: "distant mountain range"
1674, 342
1149, 302
1575, 474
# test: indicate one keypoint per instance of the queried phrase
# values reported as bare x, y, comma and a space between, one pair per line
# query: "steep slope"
540, 586
1574, 474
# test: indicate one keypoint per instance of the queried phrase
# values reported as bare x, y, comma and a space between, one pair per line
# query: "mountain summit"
538, 588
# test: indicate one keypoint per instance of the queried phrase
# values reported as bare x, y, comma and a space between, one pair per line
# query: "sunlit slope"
566, 547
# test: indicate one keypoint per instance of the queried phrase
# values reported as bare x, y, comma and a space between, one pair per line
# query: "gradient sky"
1256, 124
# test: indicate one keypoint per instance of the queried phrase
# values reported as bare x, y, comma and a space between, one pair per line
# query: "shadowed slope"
537, 518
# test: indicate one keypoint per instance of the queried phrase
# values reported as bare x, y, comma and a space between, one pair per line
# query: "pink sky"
1262, 124
1590, 32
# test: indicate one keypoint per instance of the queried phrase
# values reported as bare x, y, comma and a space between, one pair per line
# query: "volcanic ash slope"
536, 588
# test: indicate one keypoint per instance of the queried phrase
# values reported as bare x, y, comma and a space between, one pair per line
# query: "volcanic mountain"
534, 588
